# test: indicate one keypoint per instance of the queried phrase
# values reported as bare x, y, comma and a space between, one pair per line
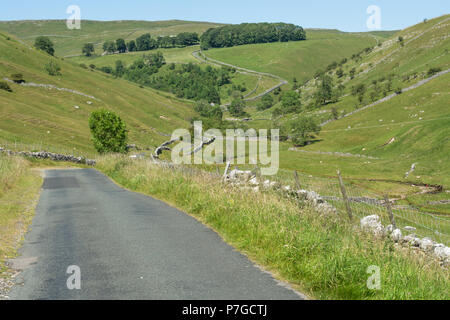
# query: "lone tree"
44, 44
53, 68
88, 49
303, 130
109, 132
290, 101
325, 91
237, 107
266, 102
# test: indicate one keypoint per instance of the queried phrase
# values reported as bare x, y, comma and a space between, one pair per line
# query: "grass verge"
19, 191
324, 257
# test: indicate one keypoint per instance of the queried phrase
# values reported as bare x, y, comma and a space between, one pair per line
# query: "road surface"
128, 246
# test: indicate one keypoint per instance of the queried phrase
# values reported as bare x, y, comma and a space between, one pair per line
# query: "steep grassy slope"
37, 115
295, 59
419, 119
391, 66
69, 42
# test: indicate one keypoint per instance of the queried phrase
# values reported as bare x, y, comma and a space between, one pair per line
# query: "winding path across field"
201, 57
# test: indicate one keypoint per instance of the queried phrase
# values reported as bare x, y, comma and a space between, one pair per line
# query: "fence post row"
389, 209
344, 195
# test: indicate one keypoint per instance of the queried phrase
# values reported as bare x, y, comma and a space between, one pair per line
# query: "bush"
432, 71
5, 86
17, 78
82, 65
108, 131
107, 70
53, 68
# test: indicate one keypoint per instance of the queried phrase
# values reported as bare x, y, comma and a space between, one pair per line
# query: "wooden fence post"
226, 170
344, 195
297, 180
389, 209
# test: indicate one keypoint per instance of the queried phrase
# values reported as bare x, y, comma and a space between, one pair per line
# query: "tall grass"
323, 256
19, 189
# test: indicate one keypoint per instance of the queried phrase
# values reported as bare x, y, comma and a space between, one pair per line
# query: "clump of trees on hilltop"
248, 33
145, 42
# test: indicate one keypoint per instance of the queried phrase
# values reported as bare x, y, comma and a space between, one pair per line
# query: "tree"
109, 47
303, 130
340, 73
121, 46
400, 40
88, 49
44, 44
204, 109
334, 113
295, 84
325, 91
120, 69
144, 42
131, 46
237, 108
53, 68
109, 133
290, 101
266, 102
352, 73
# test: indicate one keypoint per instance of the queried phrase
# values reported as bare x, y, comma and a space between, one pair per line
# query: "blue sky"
346, 15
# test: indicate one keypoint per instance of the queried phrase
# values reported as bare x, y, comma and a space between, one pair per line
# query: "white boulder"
373, 224
396, 235
426, 244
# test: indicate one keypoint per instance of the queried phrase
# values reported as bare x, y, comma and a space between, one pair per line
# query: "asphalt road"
128, 246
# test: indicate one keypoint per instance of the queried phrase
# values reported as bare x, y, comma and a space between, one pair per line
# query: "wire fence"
363, 202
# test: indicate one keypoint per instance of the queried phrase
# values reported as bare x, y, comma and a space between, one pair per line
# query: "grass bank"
323, 257
19, 191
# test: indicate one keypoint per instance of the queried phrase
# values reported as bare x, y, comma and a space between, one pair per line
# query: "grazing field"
295, 59
69, 42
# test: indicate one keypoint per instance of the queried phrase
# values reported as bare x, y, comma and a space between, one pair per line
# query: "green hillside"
295, 59
418, 119
59, 119
69, 42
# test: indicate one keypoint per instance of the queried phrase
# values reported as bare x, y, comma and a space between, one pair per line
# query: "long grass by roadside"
19, 190
323, 257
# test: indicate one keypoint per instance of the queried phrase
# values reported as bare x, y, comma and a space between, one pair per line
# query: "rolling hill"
69, 42
56, 118
296, 59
